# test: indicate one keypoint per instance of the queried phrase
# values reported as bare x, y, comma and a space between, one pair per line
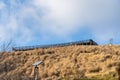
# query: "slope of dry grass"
62, 63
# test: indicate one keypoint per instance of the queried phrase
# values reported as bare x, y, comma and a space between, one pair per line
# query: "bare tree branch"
6, 45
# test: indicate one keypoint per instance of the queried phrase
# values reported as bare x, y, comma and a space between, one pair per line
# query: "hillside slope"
62, 63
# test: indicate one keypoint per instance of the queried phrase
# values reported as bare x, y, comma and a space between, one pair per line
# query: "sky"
33, 22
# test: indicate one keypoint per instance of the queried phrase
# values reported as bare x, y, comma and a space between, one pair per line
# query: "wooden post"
36, 72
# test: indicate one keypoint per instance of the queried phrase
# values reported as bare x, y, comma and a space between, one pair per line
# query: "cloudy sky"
31, 22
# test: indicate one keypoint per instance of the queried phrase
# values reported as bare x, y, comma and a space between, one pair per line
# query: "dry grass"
62, 63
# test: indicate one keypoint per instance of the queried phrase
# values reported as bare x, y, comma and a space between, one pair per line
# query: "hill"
63, 63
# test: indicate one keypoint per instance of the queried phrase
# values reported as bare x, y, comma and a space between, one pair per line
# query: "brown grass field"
63, 63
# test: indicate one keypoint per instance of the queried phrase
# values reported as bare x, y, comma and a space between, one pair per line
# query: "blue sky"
32, 22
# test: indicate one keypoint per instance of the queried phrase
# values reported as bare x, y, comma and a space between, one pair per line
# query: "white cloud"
60, 18
2, 5
66, 16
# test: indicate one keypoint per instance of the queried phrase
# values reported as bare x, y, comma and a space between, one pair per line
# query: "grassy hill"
63, 63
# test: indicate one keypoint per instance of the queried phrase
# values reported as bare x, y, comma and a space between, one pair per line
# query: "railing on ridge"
83, 42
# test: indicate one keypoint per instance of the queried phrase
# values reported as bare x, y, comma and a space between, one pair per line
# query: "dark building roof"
83, 42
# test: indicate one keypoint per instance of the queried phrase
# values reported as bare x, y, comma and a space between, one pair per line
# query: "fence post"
36, 70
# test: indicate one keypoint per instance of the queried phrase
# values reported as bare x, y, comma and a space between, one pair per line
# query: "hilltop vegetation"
62, 63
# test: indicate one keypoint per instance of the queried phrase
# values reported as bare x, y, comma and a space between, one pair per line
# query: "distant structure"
111, 41
83, 42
